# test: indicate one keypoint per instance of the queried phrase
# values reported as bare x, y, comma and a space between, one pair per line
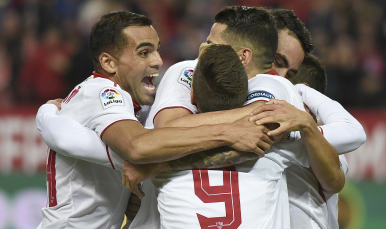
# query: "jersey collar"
272, 72
136, 107
98, 75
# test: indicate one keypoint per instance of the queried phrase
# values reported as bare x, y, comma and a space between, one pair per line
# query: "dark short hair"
312, 72
107, 33
287, 19
220, 81
250, 27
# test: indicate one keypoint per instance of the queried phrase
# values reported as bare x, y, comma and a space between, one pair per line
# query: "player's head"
124, 46
311, 72
294, 42
251, 32
220, 81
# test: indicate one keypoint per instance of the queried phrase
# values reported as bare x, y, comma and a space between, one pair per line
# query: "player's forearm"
216, 117
323, 159
167, 144
212, 159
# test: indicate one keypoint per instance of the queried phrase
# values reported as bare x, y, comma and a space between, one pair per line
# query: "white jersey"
83, 194
254, 198
332, 199
310, 206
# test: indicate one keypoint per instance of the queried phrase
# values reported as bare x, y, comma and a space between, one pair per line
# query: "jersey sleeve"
174, 89
343, 164
104, 106
341, 129
73, 139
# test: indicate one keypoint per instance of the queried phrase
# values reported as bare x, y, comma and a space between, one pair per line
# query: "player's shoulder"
181, 73
271, 78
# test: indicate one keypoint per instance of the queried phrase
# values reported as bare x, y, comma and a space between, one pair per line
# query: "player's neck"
255, 71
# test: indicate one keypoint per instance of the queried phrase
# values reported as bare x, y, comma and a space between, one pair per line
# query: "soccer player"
343, 131
124, 47
312, 73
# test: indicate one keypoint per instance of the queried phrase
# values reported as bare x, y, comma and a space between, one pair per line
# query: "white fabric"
341, 129
262, 190
343, 132
173, 90
332, 199
88, 195
74, 140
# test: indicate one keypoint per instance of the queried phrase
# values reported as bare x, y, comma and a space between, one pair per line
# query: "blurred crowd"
44, 43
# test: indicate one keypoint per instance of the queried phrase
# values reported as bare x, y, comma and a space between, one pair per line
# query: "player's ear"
107, 62
245, 55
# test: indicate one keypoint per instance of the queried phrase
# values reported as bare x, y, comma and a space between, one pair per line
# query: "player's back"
83, 194
254, 198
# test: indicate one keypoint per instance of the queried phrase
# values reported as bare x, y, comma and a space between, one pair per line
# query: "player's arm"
341, 129
180, 117
142, 146
67, 137
322, 156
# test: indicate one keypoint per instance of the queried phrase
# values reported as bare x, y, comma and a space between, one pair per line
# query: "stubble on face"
139, 64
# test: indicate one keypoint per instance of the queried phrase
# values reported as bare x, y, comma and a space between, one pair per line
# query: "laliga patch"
260, 95
186, 78
110, 97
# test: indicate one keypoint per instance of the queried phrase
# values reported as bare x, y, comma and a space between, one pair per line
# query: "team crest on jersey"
110, 97
260, 94
186, 78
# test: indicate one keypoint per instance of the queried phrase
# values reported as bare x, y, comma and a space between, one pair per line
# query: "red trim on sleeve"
171, 108
272, 73
51, 179
114, 123
321, 130
108, 155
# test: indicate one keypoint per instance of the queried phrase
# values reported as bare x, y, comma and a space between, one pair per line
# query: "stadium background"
43, 55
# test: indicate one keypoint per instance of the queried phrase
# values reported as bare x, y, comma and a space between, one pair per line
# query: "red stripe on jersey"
115, 84
96, 75
272, 73
321, 129
70, 96
51, 179
321, 193
116, 122
171, 108
108, 154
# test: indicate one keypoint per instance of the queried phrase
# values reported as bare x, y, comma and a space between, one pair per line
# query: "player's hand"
278, 111
133, 206
133, 175
56, 102
249, 137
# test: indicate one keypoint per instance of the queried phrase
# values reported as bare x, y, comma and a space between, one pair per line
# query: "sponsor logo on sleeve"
110, 97
186, 78
263, 95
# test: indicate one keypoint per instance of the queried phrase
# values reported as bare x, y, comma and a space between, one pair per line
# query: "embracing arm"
67, 137
322, 156
341, 129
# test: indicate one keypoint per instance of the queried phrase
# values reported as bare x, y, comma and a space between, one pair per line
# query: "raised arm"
341, 129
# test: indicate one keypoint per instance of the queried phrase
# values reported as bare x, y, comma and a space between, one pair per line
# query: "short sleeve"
104, 106
174, 90
343, 164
